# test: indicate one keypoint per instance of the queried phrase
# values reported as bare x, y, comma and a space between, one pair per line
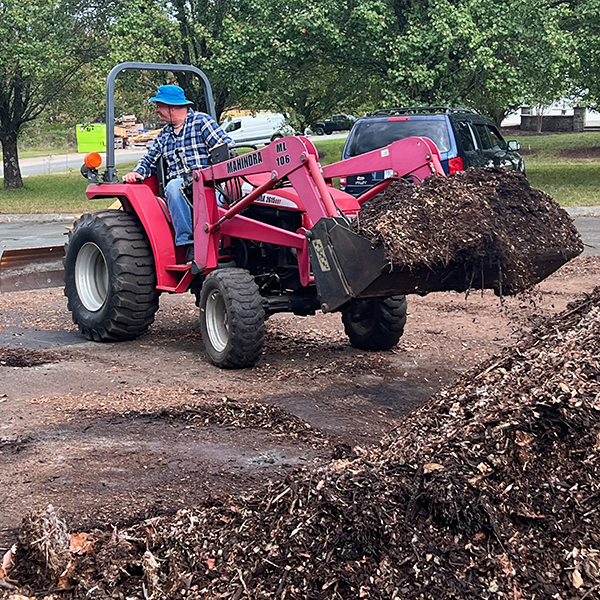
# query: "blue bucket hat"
171, 94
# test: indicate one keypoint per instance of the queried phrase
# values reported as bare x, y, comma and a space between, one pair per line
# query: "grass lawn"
44, 151
572, 182
52, 193
569, 182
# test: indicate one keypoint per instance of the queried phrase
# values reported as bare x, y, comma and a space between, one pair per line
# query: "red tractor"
271, 234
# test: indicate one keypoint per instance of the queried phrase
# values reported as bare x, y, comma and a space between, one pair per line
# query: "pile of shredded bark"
28, 357
491, 490
472, 220
245, 414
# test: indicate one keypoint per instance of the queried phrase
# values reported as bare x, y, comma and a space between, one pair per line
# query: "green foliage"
209, 35
306, 72
585, 26
45, 43
479, 53
307, 58
570, 182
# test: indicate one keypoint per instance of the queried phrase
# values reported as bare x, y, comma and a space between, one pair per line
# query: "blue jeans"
181, 213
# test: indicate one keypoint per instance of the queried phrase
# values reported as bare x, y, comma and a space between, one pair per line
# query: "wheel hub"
217, 324
91, 277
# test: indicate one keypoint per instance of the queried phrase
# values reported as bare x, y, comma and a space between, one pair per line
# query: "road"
63, 163
27, 232
589, 228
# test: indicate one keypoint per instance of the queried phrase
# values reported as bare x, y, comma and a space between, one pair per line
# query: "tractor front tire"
110, 277
375, 323
232, 318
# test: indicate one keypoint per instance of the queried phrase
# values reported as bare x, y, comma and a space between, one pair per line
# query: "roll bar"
110, 176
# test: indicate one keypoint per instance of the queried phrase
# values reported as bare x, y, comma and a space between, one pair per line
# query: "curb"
574, 211
583, 211
38, 218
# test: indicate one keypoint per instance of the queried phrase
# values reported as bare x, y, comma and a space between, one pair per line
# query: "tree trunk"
498, 115
10, 156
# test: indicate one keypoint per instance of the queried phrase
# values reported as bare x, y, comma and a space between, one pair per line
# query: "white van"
257, 129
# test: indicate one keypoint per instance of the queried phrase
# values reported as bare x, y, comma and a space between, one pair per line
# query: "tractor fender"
152, 213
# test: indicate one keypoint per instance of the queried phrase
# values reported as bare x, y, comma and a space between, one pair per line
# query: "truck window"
498, 142
233, 126
372, 135
482, 135
466, 136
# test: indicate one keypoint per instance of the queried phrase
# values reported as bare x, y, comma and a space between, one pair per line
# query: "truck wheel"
375, 323
319, 130
232, 318
110, 277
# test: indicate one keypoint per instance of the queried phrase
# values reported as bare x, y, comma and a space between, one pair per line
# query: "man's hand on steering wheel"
132, 177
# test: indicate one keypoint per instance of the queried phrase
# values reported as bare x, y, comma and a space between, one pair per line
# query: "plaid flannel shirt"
185, 151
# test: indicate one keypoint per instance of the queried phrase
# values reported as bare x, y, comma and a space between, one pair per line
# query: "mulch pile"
27, 357
471, 221
490, 490
245, 414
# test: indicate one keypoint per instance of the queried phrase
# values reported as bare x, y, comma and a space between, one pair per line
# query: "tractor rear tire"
110, 277
232, 318
375, 323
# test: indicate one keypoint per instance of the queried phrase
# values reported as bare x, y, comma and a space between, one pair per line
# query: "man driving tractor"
184, 142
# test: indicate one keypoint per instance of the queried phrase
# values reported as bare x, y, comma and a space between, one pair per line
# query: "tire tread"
246, 318
388, 326
132, 301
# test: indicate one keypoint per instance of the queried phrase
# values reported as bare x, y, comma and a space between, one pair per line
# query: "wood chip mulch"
472, 220
28, 357
245, 414
490, 490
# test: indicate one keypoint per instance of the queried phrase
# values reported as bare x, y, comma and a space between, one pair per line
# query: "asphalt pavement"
35, 231
63, 163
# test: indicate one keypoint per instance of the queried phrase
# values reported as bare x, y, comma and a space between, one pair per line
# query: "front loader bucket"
347, 265
31, 268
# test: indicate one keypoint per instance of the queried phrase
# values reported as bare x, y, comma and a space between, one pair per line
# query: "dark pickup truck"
336, 123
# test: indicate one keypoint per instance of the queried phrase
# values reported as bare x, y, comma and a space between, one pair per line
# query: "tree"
585, 27
304, 71
45, 43
206, 34
257, 54
534, 66
475, 53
